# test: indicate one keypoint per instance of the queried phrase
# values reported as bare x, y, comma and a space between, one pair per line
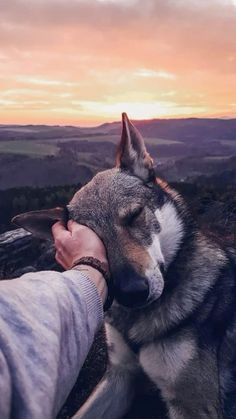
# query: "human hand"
76, 242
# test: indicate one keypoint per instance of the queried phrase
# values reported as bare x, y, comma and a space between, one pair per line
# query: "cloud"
138, 110
189, 34
104, 51
144, 72
45, 82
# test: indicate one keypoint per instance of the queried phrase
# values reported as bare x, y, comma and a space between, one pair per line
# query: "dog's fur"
174, 318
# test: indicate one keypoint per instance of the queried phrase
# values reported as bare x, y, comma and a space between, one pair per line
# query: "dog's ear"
40, 223
132, 154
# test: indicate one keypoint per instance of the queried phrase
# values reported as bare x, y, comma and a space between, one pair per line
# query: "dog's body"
174, 318
180, 340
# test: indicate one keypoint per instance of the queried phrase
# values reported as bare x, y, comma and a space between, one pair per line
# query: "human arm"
47, 324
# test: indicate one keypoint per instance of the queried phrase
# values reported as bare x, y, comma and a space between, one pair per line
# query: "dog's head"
134, 216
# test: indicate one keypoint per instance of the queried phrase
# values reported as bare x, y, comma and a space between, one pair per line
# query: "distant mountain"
184, 129
180, 129
14, 132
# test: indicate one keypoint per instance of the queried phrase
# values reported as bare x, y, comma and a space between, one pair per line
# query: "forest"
212, 204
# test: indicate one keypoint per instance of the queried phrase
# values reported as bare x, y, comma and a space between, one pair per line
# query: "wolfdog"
174, 315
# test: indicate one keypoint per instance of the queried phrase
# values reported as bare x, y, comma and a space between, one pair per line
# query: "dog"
174, 315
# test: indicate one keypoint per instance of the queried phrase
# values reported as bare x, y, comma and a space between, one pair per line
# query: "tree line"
213, 205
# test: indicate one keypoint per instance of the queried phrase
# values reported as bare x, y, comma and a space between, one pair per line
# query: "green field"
110, 138
216, 158
160, 141
19, 129
50, 147
149, 140
231, 143
114, 139
29, 148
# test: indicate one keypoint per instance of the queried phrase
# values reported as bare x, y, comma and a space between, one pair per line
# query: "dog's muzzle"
131, 289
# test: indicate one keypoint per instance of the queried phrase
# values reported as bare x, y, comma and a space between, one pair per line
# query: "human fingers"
60, 234
60, 260
83, 233
71, 225
76, 228
58, 229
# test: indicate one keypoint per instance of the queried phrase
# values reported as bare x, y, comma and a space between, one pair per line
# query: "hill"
180, 129
183, 150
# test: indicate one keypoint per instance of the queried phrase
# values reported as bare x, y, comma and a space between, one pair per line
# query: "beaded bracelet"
99, 266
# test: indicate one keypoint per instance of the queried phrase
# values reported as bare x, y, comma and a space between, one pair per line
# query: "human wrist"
96, 277
96, 256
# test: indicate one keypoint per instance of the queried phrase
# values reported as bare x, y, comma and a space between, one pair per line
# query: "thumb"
58, 230
73, 226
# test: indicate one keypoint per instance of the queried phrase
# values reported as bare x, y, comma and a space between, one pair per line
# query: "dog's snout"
136, 295
131, 289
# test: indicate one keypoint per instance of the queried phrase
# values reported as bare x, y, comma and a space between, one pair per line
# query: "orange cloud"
73, 61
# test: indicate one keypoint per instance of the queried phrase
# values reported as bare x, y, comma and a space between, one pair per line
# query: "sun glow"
138, 110
134, 109
85, 62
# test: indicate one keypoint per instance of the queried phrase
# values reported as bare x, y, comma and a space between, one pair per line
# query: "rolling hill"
183, 149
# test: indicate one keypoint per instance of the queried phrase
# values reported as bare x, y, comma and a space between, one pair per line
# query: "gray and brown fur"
174, 318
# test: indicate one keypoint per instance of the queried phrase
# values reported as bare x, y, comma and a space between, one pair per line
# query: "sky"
83, 62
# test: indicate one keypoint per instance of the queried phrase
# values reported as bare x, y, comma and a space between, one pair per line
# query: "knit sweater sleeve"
47, 324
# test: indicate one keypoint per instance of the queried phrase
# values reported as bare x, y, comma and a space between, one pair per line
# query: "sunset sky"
83, 62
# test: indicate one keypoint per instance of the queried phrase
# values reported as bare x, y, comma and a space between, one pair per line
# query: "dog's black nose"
132, 291
138, 295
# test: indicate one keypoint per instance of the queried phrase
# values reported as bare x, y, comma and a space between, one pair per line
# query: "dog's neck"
177, 223
171, 234
188, 280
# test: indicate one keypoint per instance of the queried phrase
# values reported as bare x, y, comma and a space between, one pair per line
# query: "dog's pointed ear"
132, 154
40, 223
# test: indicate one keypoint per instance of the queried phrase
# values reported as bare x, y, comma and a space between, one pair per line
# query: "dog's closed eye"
130, 218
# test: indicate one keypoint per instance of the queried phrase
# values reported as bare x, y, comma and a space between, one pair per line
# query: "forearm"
96, 277
47, 325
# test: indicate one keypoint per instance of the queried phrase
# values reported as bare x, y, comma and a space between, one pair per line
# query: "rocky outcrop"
20, 252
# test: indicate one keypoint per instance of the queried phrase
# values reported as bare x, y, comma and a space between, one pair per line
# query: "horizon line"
110, 122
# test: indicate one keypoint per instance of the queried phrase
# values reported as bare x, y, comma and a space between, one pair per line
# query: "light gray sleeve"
47, 324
